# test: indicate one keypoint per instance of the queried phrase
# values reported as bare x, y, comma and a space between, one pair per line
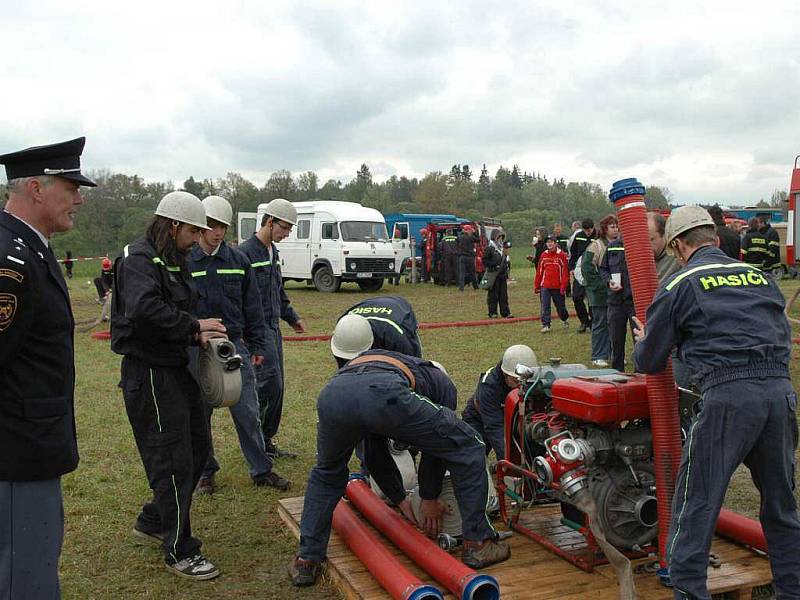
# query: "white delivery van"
331, 243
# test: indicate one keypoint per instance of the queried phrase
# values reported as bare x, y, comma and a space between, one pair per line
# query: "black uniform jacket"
151, 318
393, 322
487, 406
725, 317
37, 369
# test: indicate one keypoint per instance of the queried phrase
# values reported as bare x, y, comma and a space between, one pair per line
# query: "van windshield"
363, 231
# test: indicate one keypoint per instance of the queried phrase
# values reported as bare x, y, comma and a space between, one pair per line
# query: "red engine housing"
603, 400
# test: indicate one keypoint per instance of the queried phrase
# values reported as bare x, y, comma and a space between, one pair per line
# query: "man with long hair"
152, 327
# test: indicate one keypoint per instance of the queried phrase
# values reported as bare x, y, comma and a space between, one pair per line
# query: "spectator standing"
614, 271
495, 261
597, 290
552, 276
466, 257
68, 264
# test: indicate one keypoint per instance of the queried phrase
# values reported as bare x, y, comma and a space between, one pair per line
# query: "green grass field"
239, 525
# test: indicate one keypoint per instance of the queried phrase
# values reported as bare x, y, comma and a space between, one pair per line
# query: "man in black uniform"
37, 421
729, 242
619, 312
726, 319
152, 327
773, 242
485, 409
466, 257
449, 258
391, 395
580, 241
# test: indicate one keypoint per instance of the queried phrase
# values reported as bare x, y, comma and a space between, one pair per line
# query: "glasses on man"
285, 226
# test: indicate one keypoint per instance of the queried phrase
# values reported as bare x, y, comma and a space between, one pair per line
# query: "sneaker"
603, 364
274, 452
303, 573
272, 479
492, 316
195, 567
565, 325
479, 555
509, 316
546, 329
206, 486
143, 537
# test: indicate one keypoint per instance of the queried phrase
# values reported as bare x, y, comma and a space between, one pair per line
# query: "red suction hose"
465, 583
398, 581
628, 197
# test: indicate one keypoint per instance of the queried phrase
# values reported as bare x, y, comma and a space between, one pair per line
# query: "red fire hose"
398, 581
465, 583
628, 197
741, 529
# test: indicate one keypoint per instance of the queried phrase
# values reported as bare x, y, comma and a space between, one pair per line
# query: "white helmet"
351, 336
219, 209
685, 218
184, 207
517, 355
283, 210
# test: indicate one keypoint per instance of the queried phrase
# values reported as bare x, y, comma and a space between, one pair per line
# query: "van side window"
330, 231
303, 229
400, 231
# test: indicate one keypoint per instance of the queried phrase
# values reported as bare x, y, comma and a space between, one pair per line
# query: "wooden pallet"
533, 573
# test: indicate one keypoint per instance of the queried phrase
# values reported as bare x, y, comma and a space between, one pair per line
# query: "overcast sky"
700, 97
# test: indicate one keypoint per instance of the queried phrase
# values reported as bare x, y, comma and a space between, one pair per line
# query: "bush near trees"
118, 209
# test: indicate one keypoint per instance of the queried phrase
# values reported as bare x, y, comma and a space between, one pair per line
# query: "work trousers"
246, 417
364, 403
557, 297
269, 384
450, 269
619, 320
31, 533
498, 294
170, 427
466, 272
579, 300
600, 341
750, 421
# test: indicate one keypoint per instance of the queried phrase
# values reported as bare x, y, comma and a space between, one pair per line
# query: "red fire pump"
571, 431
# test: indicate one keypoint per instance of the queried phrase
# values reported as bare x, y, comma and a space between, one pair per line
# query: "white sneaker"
600, 363
197, 567
565, 325
546, 329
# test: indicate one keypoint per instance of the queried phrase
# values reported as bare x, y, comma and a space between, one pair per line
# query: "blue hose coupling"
625, 187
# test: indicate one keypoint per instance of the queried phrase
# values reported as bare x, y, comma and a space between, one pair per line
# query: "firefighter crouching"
408, 399
152, 327
726, 319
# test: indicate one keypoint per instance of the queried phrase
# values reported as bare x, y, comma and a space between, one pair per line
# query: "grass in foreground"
239, 525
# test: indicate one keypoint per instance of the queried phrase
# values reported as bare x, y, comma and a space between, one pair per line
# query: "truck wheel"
370, 285
326, 281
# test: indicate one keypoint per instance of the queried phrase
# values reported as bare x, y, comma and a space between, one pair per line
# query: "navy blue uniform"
485, 410
726, 319
152, 326
619, 305
226, 289
375, 398
37, 419
393, 322
276, 306
495, 261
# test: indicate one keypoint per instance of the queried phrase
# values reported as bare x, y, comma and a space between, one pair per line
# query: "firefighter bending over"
391, 395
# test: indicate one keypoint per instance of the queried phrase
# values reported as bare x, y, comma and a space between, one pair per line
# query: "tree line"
119, 208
